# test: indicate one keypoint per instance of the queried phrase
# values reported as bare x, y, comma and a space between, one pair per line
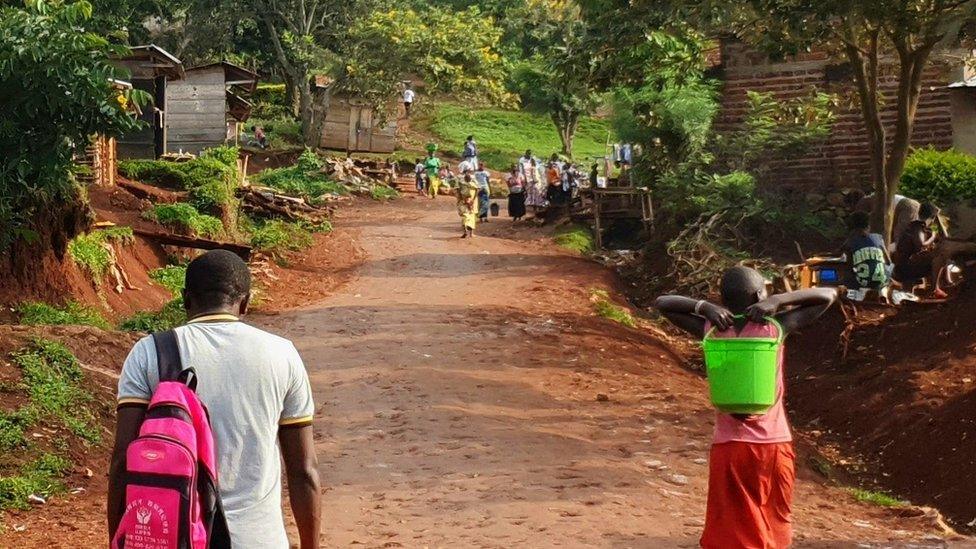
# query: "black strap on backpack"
169, 362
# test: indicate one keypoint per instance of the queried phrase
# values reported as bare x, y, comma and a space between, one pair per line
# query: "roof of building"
244, 79
163, 62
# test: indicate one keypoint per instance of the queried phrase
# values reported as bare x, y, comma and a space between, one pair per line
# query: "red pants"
750, 493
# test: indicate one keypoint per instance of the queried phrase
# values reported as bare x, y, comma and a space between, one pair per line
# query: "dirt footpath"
468, 397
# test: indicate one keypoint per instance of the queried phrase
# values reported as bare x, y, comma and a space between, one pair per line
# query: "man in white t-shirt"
259, 398
408, 97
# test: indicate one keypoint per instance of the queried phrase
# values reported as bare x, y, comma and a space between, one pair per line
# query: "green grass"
383, 193
609, 310
186, 217
209, 179
51, 379
36, 313
503, 135
171, 277
37, 477
578, 238
877, 498
168, 317
277, 237
305, 179
89, 251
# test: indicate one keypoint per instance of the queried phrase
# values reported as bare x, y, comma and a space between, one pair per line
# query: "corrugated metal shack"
152, 68
204, 108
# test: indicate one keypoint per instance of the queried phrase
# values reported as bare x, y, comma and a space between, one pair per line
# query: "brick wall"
842, 160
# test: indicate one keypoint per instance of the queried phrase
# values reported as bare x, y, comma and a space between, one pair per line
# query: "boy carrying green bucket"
751, 472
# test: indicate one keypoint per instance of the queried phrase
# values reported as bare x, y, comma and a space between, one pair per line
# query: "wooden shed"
152, 68
204, 108
352, 125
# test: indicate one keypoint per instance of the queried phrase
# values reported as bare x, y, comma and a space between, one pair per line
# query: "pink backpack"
171, 497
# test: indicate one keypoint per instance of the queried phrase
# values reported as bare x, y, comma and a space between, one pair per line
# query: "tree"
560, 77
55, 92
453, 52
865, 32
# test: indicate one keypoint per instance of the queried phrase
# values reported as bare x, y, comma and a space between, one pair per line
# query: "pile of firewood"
360, 176
267, 203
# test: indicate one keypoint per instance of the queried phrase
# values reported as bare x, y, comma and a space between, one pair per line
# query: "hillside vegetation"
504, 135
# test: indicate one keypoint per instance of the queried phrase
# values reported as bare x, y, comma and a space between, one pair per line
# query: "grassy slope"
504, 135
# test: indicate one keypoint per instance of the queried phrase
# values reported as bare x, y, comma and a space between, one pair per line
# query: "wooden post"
596, 219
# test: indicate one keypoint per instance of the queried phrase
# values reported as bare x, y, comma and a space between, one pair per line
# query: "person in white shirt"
257, 391
408, 97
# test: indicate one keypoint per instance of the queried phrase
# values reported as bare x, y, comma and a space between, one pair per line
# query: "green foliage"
383, 193
454, 52
577, 238
505, 135
282, 132
210, 179
305, 179
269, 102
46, 50
51, 376
226, 155
37, 477
943, 177
12, 428
168, 317
877, 498
171, 277
36, 313
89, 250
277, 237
185, 217
611, 311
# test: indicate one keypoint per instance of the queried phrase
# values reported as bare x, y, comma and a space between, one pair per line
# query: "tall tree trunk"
566, 123
306, 110
291, 94
912, 66
866, 70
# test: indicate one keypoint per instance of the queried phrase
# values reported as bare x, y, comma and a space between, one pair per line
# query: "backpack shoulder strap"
168, 359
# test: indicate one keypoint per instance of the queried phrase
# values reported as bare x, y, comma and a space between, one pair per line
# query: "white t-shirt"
408, 96
252, 382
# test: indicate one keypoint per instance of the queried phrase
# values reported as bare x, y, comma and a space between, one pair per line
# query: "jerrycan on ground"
742, 371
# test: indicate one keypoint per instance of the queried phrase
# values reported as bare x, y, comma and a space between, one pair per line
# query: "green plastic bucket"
742, 371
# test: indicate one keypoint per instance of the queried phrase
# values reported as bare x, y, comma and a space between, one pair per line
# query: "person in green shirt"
433, 165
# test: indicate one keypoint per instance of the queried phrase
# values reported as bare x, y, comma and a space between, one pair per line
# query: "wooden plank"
169, 239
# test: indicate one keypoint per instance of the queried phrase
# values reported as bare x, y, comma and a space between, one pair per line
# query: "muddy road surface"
467, 396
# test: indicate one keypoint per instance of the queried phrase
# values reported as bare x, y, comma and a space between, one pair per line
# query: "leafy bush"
304, 179
170, 316
578, 238
88, 250
36, 313
269, 102
943, 177
210, 179
171, 277
226, 155
185, 217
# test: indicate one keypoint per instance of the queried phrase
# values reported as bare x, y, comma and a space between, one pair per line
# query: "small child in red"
751, 473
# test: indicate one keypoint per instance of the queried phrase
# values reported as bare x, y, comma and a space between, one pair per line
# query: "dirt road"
468, 397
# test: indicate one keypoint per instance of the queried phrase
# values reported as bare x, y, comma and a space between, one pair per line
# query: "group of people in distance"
916, 252
540, 186
472, 188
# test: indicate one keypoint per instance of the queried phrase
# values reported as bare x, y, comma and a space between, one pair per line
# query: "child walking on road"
751, 469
